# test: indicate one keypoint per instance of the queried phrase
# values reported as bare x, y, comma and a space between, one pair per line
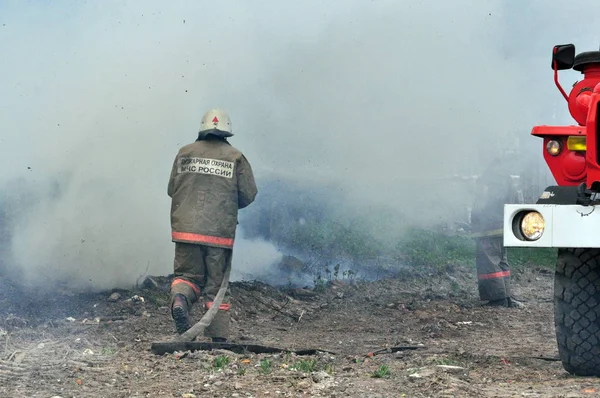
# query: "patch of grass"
305, 365
372, 240
529, 256
423, 248
317, 221
265, 366
455, 286
381, 372
320, 284
428, 248
108, 351
220, 362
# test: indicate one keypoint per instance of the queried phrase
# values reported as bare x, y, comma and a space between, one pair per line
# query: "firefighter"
495, 187
210, 181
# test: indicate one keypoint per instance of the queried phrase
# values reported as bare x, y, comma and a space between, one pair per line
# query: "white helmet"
218, 120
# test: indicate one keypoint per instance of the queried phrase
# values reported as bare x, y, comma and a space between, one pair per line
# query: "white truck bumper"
565, 226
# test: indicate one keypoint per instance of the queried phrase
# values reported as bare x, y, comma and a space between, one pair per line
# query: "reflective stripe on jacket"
210, 181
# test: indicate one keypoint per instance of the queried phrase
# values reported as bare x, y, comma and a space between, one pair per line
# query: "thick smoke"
394, 102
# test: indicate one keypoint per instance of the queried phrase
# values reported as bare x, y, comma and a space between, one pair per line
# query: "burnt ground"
88, 345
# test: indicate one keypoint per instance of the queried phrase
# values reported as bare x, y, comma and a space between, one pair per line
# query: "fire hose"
208, 317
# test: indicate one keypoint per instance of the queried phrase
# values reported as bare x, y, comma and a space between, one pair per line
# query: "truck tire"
577, 310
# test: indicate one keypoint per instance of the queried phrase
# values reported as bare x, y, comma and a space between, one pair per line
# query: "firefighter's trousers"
493, 270
198, 274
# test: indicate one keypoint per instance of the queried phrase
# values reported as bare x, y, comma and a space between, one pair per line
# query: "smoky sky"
388, 99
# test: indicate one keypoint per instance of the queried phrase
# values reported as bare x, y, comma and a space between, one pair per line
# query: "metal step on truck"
567, 215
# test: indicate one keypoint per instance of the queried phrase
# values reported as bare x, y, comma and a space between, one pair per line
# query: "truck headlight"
554, 147
532, 225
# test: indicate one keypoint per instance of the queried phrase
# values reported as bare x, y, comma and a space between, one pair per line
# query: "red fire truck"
565, 216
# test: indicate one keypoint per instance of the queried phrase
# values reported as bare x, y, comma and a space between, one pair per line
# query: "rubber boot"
514, 303
497, 303
180, 313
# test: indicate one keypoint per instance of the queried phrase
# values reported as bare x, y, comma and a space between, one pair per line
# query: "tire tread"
576, 310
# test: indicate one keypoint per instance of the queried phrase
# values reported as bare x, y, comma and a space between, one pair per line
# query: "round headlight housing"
554, 147
532, 225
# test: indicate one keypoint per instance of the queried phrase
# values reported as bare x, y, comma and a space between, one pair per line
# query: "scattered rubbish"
87, 351
181, 355
136, 299
114, 297
71, 319
419, 373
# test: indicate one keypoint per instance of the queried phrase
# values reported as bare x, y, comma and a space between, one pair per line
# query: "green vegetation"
425, 251
220, 362
381, 372
305, 366
435, 250
265, 366
528, 256
341, 239
432, 249
108, 351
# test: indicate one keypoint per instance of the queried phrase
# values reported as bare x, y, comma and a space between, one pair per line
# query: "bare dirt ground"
447, 345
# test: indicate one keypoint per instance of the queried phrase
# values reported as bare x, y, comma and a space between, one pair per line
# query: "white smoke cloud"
254, 259
387, 98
